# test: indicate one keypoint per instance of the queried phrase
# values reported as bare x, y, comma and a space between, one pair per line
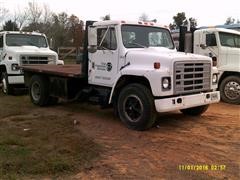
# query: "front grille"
192, 77
34, 60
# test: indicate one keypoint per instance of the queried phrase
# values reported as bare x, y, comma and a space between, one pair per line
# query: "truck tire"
39, 91
136, 107
195, 111
230, 89
6, 87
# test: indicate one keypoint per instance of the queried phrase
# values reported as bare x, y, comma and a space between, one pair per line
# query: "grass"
36, 143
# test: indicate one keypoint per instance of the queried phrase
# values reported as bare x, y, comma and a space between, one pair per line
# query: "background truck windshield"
25, 40
135, 36
230, 40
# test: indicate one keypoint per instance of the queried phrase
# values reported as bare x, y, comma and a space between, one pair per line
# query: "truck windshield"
229, 40
136, 36
25, 40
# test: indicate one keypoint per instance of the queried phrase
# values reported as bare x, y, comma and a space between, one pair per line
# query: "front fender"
229, 68
8, 66
153, 77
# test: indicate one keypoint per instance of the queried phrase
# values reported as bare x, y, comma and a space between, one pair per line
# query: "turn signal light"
214, 61
157, 65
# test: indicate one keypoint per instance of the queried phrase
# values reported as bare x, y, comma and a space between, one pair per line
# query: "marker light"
157, 65
214, 61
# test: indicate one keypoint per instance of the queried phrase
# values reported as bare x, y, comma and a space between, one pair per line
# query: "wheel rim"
232, 90
133, 108
4, 85
35, 91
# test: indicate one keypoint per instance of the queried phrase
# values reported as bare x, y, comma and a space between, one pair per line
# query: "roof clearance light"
151, 24
145, 23
123, 22
157, 65
140, 22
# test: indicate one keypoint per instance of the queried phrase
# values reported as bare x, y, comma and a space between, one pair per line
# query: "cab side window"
106, 39
1, 41
211, 40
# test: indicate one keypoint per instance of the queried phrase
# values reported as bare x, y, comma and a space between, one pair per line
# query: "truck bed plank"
74, 70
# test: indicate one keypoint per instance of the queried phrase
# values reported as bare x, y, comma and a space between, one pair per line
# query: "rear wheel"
39, 90
136, 107
6, 87
230, 89
195, 111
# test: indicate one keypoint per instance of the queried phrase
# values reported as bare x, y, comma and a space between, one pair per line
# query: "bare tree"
229, 21
3, 13
144, 17
193, 22
20, 17
47, 14
75, 29
106, 17
34, 12
180, 20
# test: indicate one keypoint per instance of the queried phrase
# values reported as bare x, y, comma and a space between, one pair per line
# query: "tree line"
62, 28
68, 30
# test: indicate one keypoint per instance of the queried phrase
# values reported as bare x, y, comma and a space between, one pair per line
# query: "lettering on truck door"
104, 62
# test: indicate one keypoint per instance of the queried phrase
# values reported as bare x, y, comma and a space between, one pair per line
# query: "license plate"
214, 96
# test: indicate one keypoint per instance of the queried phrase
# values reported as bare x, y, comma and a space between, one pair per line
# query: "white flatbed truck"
132, 67
19, 48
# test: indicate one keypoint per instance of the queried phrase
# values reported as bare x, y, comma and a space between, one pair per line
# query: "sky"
207, 12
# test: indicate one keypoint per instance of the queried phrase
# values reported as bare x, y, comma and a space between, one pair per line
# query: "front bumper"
188, 101
16, 79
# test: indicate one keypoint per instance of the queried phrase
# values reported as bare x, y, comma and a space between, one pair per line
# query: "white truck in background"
132, 67
223, 46
19, 48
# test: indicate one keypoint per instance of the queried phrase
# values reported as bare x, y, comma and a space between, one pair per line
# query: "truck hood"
30, 50
147, 56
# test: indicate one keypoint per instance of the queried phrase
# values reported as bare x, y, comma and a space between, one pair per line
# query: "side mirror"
51, 43
203, 46
92, 48
92, 36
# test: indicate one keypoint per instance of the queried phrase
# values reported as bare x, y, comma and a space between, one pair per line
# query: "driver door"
104, 62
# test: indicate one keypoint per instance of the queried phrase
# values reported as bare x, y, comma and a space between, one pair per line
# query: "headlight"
15, 67
214, 78
166, 83
52, 58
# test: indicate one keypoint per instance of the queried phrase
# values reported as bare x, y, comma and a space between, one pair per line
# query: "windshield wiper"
32, 44
14, 44
139, 45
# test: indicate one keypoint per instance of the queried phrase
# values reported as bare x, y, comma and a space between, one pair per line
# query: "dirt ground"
165, 151
209, 143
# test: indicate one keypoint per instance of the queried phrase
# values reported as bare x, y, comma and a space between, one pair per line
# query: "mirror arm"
203, 46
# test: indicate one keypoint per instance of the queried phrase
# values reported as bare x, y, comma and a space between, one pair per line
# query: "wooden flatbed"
74, 70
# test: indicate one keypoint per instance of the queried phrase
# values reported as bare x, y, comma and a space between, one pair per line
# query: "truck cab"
223, 46
20, 48
133, 67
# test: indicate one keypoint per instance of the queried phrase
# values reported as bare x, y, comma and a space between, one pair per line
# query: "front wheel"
230, 90
38, 90
195, 111
136, 107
